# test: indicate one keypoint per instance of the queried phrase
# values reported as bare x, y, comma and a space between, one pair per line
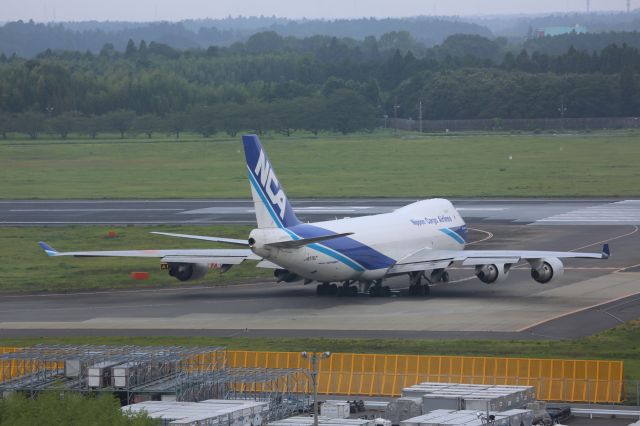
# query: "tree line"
318, 83
27, 39
343, 111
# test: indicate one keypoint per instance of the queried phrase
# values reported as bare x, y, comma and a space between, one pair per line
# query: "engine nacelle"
286, 276
492, 273
188, 271
545, 270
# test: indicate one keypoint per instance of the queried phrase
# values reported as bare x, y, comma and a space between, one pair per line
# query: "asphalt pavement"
594, 294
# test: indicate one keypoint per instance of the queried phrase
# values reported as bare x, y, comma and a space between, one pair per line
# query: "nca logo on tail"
268, 181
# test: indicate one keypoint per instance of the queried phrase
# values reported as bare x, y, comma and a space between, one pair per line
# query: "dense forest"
27, 39
272, 82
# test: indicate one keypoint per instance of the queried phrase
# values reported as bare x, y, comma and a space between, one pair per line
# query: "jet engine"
188, 271
545, 270
286, 276
492, 273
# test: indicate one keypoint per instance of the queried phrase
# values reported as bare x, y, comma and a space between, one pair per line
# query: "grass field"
27, 268
375, 165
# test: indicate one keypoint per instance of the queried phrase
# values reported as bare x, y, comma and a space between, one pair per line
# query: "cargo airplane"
420, 240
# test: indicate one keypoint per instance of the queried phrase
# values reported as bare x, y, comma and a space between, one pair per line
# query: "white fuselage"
376, 243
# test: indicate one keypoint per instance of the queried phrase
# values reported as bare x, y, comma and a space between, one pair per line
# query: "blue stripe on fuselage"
363, 254
453, 234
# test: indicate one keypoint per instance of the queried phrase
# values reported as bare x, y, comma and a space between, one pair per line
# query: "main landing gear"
347, 289
417, 289
326, 289
350, 289
378, 290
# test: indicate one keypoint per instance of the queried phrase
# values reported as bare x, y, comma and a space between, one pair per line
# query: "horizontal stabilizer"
305, 241
205, 238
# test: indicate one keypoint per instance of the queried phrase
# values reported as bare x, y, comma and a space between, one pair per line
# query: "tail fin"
271, 204
48, 249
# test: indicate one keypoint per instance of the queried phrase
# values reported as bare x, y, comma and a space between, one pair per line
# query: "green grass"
26, 267
364, 165
620, 343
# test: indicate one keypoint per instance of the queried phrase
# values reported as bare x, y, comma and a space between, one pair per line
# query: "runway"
594, 295
206, 212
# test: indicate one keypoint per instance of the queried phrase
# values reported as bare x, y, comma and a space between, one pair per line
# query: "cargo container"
209, 412
403, 408
470, 418
99, 375
324, 421
335, 409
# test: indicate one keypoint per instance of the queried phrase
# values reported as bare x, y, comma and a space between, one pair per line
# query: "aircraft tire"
416, 290
445, 277
426, 290
386, 291
333, 290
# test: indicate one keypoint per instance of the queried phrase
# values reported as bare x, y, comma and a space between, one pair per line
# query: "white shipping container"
99, 375
335, 410
469, 418
72, 368
213, 412
324, 421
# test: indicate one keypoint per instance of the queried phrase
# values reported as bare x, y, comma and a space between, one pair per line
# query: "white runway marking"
626, 212
481, 209
95, 210
122, 222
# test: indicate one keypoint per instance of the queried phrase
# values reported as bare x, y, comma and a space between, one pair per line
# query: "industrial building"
161, 373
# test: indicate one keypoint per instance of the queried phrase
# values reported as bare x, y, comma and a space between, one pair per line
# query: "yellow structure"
386, 375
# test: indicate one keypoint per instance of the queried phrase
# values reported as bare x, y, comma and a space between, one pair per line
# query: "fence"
590, 381
385, 375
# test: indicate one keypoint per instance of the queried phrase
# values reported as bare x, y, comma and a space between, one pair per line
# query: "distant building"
555, 31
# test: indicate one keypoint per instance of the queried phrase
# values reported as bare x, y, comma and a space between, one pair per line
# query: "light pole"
315, 357
562, 110
395, 116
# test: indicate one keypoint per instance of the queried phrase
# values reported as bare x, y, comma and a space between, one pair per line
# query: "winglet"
47, 248
605, 251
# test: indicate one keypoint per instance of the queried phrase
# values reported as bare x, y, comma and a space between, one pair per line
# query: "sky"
175, 10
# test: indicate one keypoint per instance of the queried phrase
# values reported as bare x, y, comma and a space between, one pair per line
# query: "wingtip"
606, 252
47, 248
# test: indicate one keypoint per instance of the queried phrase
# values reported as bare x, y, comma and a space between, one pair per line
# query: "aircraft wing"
205, 238
428, 259
220, 256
